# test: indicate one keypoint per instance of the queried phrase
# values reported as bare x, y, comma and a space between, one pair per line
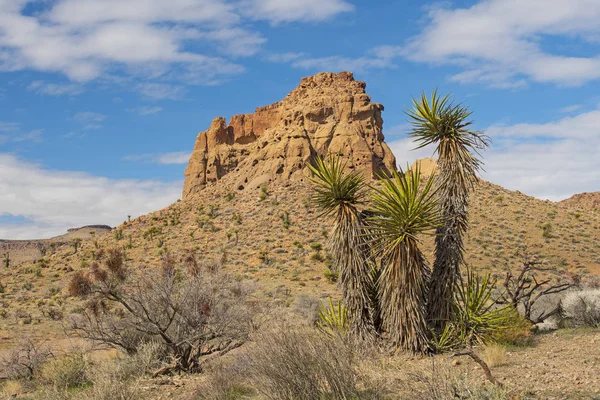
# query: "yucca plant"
338, 194
438, 121
478, 318
402, 210
333, 320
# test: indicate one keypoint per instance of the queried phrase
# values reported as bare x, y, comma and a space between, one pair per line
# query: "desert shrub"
537, 298
494, 354
192, 317
307, 307
149, 357
25, 360
225, 381
69, 371
581, 308
302, 364
516, 330
108, 383
11, 389
442, 384
331, 276
79, 285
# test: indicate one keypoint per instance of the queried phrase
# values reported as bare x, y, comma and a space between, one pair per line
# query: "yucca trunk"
454, 184
350, 251
402, 288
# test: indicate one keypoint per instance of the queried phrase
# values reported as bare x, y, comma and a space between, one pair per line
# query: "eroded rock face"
327, 113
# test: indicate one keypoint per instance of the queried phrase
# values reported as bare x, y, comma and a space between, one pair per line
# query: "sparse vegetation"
192, 317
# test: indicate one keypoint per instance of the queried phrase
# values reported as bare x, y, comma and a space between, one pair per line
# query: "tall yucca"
440, 122
403, 209
338, 194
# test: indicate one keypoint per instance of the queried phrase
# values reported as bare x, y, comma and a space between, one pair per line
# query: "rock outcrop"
327, 113
583, 201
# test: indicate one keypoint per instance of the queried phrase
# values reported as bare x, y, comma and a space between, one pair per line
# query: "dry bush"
192, 318
494, 354
66, 372
79, 285
25, 360
581, 308
303, 364
10, 389
225, 381
109, 382
442, 384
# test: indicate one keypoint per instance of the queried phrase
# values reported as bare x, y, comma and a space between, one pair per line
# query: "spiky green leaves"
403, 209
438, 121
334, 188
337, 193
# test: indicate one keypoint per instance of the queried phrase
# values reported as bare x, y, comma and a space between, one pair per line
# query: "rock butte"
327, 113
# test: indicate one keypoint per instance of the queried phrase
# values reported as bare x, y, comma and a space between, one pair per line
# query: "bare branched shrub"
302, 364
581, 308
192, 318
25, 360
526, 289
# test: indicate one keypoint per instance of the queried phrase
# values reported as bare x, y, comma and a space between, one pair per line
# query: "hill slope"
273, 235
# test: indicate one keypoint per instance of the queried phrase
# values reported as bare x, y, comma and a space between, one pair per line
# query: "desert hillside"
247, 208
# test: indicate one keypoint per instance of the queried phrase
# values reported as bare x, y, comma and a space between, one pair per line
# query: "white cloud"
90, 120
12, 133
178, 157
145, 110
161, 91
55, 89
499, 42
284, 57
278, 11
9, 126
146, 39
53, 201
552, 160
377, 58
570, 109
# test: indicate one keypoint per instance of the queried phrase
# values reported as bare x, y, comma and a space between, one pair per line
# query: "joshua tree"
338, 194
76, 243
440, 122
402, 210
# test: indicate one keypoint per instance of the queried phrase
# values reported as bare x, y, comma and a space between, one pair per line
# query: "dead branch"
486, 370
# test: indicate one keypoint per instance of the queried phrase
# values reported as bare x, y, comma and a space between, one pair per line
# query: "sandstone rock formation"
327, 113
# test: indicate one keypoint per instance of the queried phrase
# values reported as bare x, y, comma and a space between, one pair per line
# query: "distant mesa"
99, 227
327, 113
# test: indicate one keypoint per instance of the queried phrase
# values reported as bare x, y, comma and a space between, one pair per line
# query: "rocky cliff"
327, 113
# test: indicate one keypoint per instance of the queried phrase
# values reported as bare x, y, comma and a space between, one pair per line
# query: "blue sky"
101, 100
